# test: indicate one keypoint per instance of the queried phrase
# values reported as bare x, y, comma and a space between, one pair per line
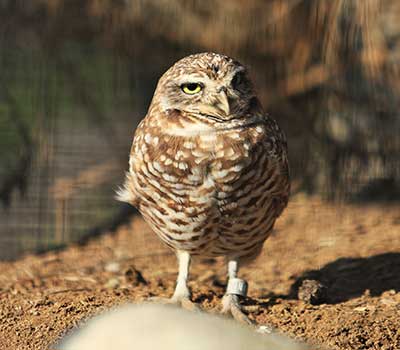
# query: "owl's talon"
230, 305
187, 304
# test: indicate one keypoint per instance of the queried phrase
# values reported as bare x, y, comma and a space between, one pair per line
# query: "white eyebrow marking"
193, 78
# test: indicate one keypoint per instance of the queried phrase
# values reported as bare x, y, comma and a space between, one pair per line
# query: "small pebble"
112, 267
312, 292
112, 283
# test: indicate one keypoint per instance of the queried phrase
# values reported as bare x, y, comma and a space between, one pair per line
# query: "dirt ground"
353, 250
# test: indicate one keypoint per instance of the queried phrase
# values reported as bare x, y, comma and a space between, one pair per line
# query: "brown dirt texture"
350, 255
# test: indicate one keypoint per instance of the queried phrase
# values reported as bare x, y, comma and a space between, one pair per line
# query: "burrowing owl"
208, 168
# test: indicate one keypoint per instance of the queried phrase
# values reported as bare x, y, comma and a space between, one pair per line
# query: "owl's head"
210, 84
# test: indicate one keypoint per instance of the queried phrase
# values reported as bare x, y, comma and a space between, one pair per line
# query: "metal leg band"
237, 286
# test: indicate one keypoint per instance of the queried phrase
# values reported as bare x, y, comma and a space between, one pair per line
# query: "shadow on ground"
347, 278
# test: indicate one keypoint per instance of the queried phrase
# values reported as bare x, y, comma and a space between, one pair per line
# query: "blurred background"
77, 76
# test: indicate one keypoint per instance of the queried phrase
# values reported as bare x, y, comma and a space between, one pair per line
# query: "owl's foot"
235, 289
231, 305
181, 295
184, 302
187, 304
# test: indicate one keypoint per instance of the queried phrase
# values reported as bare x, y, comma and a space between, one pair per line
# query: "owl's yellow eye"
191, 88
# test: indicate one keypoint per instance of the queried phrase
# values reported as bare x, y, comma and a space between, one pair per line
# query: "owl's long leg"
235, 289
181, 294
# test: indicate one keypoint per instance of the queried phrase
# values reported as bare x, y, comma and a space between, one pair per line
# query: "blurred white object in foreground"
152, 326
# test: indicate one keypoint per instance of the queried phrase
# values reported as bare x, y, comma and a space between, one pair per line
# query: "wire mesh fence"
73, 88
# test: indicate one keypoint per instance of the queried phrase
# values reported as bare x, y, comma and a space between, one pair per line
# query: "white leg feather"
181, 289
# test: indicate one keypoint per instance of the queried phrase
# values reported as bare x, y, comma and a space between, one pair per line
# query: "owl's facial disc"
207, 95
219, 106
220, 94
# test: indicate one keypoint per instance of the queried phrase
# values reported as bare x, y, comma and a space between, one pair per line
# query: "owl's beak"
222, 104
219, 107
